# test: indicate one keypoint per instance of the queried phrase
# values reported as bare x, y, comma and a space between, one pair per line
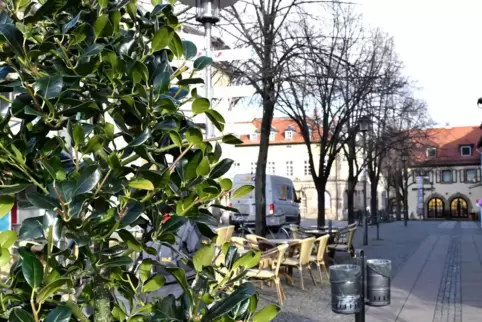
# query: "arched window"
459, 208
327, 200
435, 207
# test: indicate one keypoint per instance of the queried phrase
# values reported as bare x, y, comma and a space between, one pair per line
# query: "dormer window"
466, 150
289, 133
272, 136
253, 137
431, 152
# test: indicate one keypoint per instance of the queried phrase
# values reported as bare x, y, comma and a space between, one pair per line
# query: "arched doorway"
435, 207
459, 208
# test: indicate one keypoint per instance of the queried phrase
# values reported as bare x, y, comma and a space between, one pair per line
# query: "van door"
293, 208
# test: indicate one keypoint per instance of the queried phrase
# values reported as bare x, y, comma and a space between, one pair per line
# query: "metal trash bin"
379, 273
345, 283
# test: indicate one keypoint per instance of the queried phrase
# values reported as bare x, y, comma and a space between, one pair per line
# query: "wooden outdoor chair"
343, 241
269, 270
302, 260
319, 258
254, 240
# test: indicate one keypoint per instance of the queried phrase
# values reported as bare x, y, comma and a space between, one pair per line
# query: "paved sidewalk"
442, 280
437, 271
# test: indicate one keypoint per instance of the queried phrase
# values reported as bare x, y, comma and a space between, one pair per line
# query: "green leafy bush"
101, 145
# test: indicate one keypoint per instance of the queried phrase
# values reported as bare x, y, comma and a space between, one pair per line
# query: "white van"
282, 205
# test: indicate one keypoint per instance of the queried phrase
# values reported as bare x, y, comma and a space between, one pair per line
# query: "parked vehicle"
282, 204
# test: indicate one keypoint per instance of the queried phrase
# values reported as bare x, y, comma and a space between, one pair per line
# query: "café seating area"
308, 251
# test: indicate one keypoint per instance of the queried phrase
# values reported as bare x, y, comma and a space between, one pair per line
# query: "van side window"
289, 194
283, 189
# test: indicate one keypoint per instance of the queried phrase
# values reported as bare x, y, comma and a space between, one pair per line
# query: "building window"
253, 167
271, 167
307, 171
446, 176
327, 200
289, 168
253, 137
466, 150
471, 176
431, 152
289, 135
272, 136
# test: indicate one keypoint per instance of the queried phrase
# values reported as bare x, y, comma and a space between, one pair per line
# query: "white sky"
441, 45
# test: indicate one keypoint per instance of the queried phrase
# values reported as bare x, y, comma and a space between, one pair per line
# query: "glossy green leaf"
115, 18
52, 288
117, 261
20, 315
180, 276
202, 62
204, 167
267, 314
14, 38
141, 139
86, 108
253, 303
200, 105
92, 50
226, 184
242, 191
145, 270
5, 256
217, 119
176, 46
162, 38
189, 49
89, 176
248, 260
49, 86
166, 125
13, 189
134, 210
154, 283
139, 72
103, 3
203, 257
100, 24
59, 314
161, 82
109, 130
141, 184
242, 293
32, 270
71, 24
194, 136
6, 204
7, 238
176, 138
221, 168
231, 139
31, 228
132, 242
78, 134
94, 145
41, 201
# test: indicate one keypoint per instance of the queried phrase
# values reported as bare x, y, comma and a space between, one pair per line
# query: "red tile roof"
279, 125
448, 142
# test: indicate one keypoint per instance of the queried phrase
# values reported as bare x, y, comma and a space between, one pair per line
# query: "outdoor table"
271, 243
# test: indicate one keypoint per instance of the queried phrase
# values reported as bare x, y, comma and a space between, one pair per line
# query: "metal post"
365, 221
360, 254
405, 197
208, 81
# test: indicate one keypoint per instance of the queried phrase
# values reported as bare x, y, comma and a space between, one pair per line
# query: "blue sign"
5, 222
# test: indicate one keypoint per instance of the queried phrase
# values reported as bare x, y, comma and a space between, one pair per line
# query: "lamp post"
404, 156
364, 125
207, 13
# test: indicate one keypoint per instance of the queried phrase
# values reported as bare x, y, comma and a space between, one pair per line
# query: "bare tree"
326, 85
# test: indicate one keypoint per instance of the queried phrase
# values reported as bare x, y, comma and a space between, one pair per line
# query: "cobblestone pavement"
436, 252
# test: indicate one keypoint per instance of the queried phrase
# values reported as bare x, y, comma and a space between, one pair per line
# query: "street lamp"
207, 13
404, 156
364, 126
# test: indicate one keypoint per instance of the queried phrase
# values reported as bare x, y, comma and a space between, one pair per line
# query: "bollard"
379, 272
346, 289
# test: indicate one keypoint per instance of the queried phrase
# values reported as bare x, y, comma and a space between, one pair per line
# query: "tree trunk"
374, 198
320, 189
260, 185
351, 181
398, 196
